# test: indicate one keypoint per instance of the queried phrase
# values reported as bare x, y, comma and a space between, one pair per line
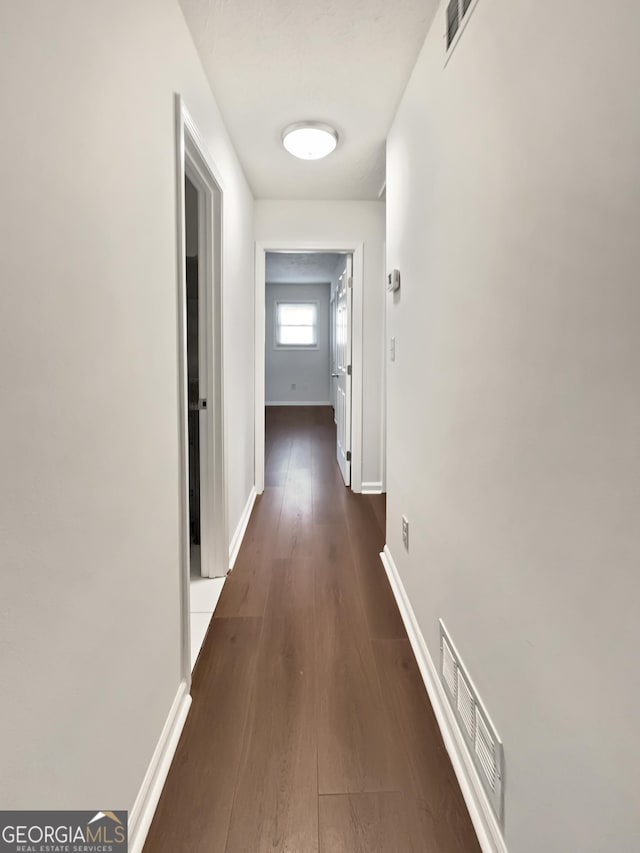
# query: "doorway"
205, 559
196, 330
350, 254
308, 339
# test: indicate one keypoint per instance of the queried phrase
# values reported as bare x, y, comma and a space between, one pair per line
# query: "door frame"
356, 249
193, 161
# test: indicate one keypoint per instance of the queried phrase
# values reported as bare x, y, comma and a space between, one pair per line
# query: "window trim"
291, 347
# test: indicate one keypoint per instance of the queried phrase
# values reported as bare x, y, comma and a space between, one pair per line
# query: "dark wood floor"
310, 729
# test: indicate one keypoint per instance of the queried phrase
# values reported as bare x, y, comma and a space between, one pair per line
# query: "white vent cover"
466, 706
449, 668
483, 743
457, 11
453, 20
486, 751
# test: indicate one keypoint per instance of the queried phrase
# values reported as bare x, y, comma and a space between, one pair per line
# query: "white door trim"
193, 158
356, 248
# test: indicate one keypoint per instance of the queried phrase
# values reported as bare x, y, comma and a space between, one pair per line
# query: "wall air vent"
478, 732
457, 13
453, 20
486, 752
466, 706
449, 668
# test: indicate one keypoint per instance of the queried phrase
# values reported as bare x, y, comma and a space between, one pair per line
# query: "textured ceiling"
300, 268
275, 62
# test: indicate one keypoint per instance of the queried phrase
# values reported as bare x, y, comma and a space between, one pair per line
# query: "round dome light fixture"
309, 140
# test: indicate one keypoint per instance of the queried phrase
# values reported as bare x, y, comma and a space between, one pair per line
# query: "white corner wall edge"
146, 802
241, 529
374, 488
480, 811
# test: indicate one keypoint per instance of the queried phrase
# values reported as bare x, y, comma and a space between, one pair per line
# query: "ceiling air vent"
476, 728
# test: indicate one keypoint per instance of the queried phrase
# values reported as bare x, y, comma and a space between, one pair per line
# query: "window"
297, 325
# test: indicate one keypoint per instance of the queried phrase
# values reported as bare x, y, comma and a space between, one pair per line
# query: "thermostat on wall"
393, 280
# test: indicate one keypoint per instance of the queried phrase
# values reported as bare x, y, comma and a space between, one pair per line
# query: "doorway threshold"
203, 597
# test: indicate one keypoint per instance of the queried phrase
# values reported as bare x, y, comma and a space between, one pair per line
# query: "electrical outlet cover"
405, 532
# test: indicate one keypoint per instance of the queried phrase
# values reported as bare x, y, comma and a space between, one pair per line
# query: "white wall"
89, 504
513, 195
308, 370
358, 221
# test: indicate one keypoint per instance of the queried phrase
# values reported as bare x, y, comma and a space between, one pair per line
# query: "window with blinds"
296, 325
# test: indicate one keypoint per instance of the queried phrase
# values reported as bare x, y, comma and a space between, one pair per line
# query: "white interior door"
334, 358
343, 369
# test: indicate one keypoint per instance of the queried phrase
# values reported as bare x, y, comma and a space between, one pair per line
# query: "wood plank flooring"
310, 729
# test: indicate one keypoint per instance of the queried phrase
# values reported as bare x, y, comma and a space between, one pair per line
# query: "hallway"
310, 728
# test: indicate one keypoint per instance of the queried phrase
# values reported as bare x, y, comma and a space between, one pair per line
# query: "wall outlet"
405, 532
393, 280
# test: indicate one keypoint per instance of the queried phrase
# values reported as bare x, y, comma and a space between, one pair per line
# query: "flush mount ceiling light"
309, 140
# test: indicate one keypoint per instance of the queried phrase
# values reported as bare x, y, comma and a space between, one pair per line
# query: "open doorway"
205, 559
308, 340
196, 403
340, 266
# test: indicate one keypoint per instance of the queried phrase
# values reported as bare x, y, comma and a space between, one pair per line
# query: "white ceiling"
275, 62
300, 268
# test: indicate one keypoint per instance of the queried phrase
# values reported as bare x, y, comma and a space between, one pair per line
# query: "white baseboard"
372, 488
480, 811
144, 808
241, 529
300, 403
